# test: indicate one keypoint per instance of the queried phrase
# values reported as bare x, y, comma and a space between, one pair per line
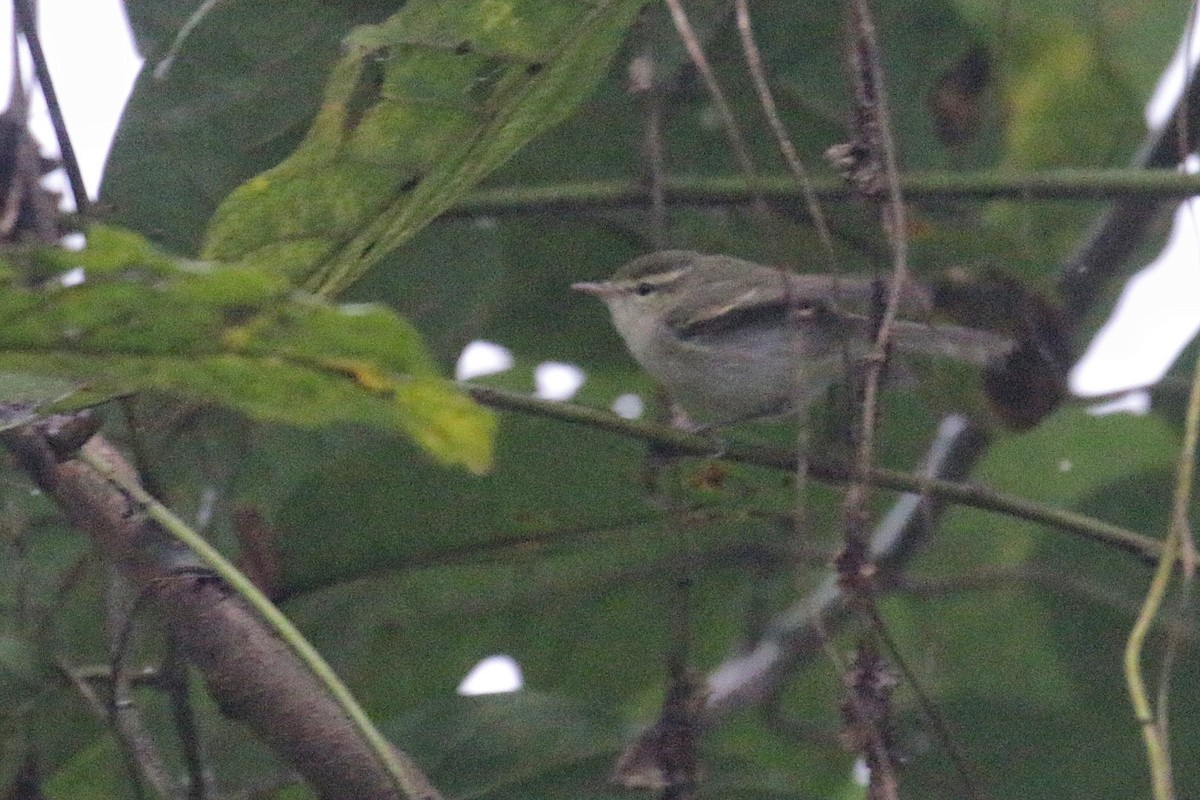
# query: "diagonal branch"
1121, 229
796, 633
250, 673
27, 20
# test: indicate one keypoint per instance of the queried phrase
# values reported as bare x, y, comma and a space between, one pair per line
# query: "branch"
249, 671
146, 765
1135, 185
1119, 231
797, 633
684, 443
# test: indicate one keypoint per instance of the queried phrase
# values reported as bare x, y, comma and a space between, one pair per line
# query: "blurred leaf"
1064, 460
23, 395
1115, 30
421, 108
1067, 79
21, 672
237, 336
93, 774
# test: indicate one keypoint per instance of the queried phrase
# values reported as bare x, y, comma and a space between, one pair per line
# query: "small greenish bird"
732, 340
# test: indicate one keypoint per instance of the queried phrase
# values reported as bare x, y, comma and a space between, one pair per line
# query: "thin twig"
681, 442
941, 728
173, 678
865, 53
148, 767
680, 761
28, 22
145, 766
766, 100
1153, 735
1177, 630
868, 707
643, 85
733, 132
867, 713
788, 150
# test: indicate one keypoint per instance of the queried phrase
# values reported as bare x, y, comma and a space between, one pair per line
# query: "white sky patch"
493, 675
1170, 84
481, 358
73, 241
860, 773
1157, 315
1129, 403
72, 277
628, 406
554, 380
91, 57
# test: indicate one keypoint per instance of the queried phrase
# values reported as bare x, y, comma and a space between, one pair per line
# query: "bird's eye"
809, 308
644, 288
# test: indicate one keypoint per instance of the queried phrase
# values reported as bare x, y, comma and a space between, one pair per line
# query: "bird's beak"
599, 289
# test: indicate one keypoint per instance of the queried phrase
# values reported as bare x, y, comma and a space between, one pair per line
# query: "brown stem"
251, 673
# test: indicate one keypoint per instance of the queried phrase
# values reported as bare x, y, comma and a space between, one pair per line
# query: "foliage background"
405, 573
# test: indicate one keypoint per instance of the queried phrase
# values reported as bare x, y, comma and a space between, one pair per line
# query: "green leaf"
233, 335
21, 673
92, 774
420, 109
227, 90
23, 395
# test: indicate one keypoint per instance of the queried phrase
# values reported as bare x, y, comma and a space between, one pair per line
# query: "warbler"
732, 340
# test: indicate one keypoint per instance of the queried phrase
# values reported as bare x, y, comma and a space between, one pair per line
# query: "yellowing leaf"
447, 423
420, 109
225, 334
